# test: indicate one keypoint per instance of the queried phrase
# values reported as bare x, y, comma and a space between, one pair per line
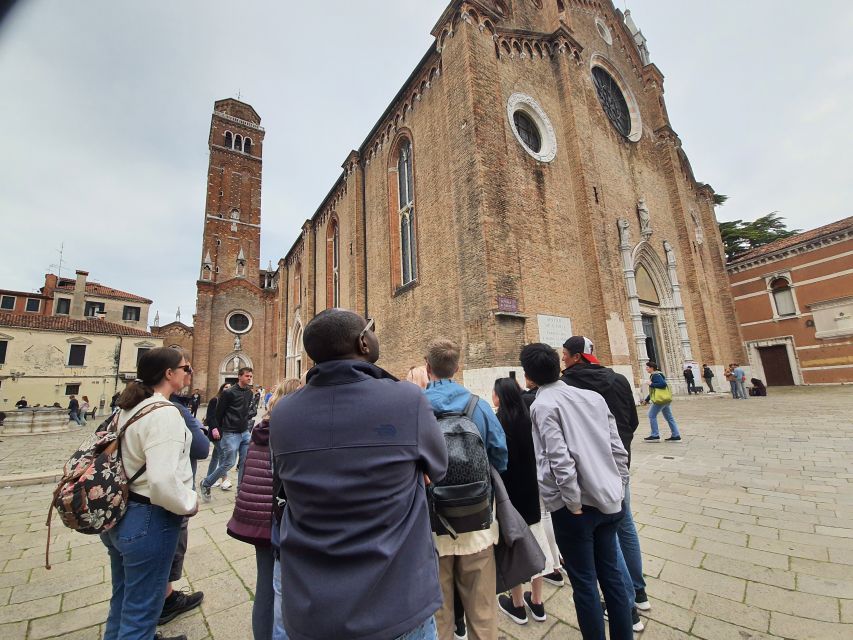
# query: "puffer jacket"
252, 518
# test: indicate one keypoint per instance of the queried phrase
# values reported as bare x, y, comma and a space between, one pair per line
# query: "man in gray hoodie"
583, 469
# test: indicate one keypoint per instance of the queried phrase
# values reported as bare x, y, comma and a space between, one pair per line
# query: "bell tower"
231, 246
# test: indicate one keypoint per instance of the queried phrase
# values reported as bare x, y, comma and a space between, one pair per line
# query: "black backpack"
462, 501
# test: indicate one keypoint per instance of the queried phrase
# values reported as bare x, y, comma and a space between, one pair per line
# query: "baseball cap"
583, 346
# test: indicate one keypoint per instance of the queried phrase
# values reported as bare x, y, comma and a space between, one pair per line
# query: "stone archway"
231, 364
294, 351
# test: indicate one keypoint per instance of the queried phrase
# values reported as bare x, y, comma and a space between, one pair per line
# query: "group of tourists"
344, 482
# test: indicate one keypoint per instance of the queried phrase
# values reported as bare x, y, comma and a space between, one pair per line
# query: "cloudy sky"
106, 109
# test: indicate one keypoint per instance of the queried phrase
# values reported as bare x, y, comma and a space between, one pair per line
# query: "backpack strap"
471, 406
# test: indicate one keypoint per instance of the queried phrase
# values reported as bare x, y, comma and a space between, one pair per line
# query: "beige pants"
474, 578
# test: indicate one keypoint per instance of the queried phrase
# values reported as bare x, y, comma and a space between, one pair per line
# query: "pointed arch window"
406, 211
333, 264
783, 297
297, 284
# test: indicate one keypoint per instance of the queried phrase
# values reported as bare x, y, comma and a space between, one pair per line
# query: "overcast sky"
106, 110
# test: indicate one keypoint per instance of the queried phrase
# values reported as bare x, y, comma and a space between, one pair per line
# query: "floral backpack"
91, 497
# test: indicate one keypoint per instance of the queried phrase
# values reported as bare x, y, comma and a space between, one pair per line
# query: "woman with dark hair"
155, 452
657, 383
522, 487
253, 521
210, 423
758, 388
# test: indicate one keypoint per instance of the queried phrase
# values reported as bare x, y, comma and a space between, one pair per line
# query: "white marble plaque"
554, 330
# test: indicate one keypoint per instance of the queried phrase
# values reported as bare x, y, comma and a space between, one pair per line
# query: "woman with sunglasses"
155, 451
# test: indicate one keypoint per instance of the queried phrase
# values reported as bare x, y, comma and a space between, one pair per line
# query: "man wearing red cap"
584, 371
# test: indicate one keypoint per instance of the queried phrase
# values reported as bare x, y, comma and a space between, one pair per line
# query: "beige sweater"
161, 441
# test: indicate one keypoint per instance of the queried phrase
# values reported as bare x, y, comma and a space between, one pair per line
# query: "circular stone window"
615, 104
531, 127
238, 322
603, 31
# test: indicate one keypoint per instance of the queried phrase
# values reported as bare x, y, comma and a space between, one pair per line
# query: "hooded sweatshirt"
616, 391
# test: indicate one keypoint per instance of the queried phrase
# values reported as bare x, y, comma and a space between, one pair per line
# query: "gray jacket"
579, 455
517, 554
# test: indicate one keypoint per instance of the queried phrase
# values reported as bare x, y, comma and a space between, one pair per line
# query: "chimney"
78, 301
50, 282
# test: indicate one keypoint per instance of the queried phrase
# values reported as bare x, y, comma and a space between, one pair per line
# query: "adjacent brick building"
524, 184
794, 302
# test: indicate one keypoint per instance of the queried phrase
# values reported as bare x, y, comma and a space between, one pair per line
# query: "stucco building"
83, 339
524, 184
794, 301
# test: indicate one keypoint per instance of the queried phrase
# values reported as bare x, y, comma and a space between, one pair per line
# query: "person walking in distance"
232, 419
466, 563
730, 378
582, 471
74, 411
195, 401
708, 375
22, 403
690, 379
584, 371
350, 450
657, 385
740, 381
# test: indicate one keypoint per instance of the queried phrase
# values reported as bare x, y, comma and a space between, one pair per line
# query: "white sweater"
161, 441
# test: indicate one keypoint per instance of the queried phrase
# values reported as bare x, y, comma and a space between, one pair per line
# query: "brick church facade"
523, 185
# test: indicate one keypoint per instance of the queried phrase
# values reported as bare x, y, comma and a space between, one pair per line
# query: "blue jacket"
446, 395
351, 449
200, 447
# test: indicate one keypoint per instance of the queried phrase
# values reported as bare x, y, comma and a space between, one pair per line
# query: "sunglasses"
187, 368
370, 326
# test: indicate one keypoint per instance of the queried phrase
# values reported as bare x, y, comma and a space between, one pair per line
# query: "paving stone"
13, 630
806, 605
798, 628
754, 556
670, 615
221, 591
661, 590
733, 538
847, 611
64, 623
94, 594
668, 551
704, 580
788, 548
748, 571
29, 610
56, 586
826, 586
231, 623
733, 612
713, 629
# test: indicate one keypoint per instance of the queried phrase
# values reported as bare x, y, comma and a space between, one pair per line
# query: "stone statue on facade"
235, 363
624, 232
700, 234
237, 344
645, 219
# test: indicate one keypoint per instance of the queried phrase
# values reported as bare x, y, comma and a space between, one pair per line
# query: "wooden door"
776, 365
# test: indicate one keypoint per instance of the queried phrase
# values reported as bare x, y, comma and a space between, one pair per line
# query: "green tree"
739, 236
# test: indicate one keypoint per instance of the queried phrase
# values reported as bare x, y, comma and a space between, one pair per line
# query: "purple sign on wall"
507, 304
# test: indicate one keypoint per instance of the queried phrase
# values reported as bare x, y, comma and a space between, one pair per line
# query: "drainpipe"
364, 232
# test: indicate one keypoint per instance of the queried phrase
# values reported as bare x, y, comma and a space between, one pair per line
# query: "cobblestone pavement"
746, 528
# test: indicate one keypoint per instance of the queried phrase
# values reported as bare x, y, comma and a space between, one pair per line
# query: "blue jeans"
667, 413
587, 543
141, 548
229, 445
741, 389
244, 451
75, 417
628, 550
733, 385
424, 631
278, 632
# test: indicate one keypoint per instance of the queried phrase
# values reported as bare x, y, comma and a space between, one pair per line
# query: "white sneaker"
217, 483
226, 485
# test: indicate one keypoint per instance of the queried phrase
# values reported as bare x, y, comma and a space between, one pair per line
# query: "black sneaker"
555, 577
204, 491
177, 603
536, 610
160, 636
652, 439
460, 632
641, 600
674, 439
636, 623
517, 614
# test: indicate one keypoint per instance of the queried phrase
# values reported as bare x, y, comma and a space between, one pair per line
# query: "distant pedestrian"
690, 380
758, 389
730, 378
660, 396
211, 424
21, 404
709, 376
74, 411
84, 408
740, 381
195, 401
